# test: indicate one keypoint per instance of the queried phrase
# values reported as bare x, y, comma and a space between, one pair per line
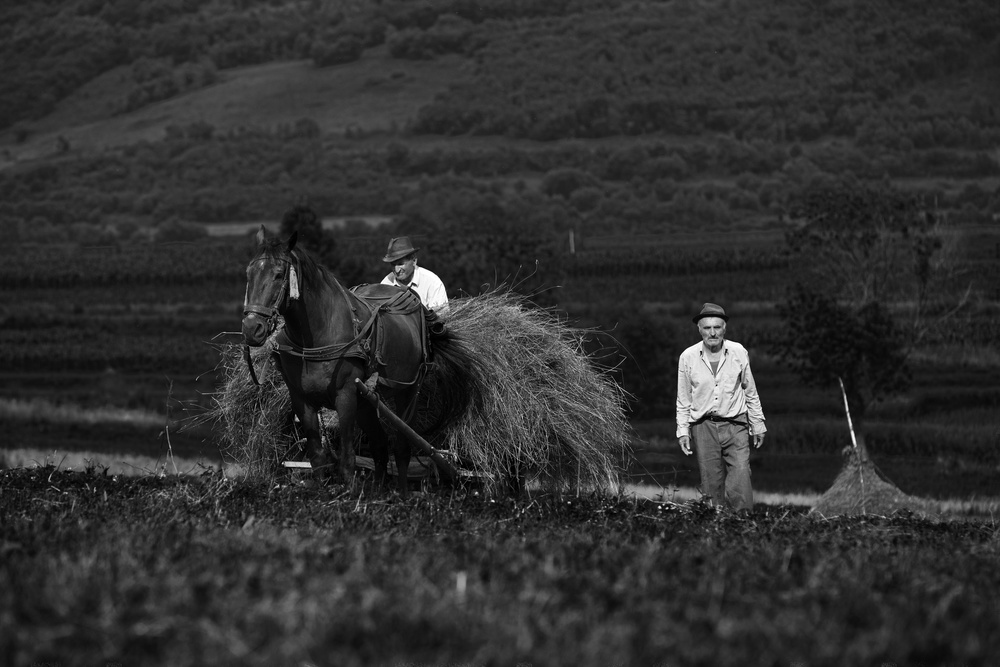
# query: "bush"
342, 49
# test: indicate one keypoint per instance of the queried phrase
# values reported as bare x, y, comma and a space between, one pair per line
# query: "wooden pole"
854, 442
406, 430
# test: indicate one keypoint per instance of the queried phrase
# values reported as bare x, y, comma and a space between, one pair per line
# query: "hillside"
700, 112
376, 94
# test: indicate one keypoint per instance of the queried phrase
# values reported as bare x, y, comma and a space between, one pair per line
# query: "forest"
719, 111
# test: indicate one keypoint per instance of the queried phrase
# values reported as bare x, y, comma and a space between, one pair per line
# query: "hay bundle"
539, 409
861, 488
254, 422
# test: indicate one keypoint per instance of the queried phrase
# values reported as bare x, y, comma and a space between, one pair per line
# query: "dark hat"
711, 310
398, 248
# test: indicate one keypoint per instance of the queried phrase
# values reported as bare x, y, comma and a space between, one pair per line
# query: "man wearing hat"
718, 411
406, 274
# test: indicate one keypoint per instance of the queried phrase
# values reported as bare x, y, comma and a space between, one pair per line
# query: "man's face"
403, 268
713, 332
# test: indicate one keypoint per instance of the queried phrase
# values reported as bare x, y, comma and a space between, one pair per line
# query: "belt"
738, 419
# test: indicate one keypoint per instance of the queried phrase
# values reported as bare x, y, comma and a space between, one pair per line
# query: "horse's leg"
401, 452
400, 445
377, 440
318, 457
346, 404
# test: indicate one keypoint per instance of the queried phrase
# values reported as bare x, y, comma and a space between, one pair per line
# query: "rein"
329, 352
342, 350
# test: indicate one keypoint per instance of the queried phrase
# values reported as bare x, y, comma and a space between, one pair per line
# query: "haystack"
540, 409
255, 423
861, 488
543, 409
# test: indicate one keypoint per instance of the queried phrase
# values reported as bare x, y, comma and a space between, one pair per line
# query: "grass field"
148, 570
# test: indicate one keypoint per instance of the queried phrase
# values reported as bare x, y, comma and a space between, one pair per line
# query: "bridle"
289, 291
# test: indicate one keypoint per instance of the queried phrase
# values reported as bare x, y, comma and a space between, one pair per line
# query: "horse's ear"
261, 235
292, 239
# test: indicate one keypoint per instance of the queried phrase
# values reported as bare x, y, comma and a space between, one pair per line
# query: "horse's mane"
312, 272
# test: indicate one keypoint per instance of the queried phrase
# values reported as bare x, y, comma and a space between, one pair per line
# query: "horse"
333, 337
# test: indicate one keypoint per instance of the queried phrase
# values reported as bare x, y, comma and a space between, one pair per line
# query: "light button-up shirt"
726, 393
428, 287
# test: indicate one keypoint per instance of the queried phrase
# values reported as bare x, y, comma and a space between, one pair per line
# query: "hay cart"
427, 464
543, 414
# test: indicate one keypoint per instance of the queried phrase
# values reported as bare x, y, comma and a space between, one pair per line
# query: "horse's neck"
322, 315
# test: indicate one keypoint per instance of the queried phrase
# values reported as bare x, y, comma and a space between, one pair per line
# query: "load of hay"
861, 488
540, 408
255, 423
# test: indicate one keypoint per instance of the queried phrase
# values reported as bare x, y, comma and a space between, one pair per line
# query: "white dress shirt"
728, 392
428, 287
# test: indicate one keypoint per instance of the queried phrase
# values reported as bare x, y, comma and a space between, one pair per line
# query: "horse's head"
271, 283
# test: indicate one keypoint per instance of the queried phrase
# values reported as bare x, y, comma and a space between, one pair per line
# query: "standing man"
718, 411
406, 274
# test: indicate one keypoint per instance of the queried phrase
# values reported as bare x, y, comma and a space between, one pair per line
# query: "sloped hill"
602, 116
375, 93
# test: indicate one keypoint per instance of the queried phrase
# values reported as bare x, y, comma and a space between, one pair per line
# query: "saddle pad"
389, 299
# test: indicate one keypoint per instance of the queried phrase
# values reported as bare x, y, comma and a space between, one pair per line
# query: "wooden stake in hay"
861, 488
539, 408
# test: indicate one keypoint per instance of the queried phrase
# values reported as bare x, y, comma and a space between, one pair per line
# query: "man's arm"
683, 406
755, 412
437, 297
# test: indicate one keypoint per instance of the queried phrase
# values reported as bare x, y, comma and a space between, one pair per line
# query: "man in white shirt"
719, 411
405, 273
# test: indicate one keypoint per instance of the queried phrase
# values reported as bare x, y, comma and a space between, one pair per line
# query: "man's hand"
685, 442
758, 440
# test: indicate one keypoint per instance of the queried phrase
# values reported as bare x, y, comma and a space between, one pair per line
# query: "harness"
369, 342
405, 303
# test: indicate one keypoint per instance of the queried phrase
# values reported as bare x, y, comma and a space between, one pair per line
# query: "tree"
302, 219
874, 286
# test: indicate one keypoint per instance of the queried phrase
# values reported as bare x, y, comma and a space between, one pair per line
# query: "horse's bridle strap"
271, 311
266, 311
329, 352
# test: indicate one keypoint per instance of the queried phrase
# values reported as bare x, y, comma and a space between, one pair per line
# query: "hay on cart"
540, 409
